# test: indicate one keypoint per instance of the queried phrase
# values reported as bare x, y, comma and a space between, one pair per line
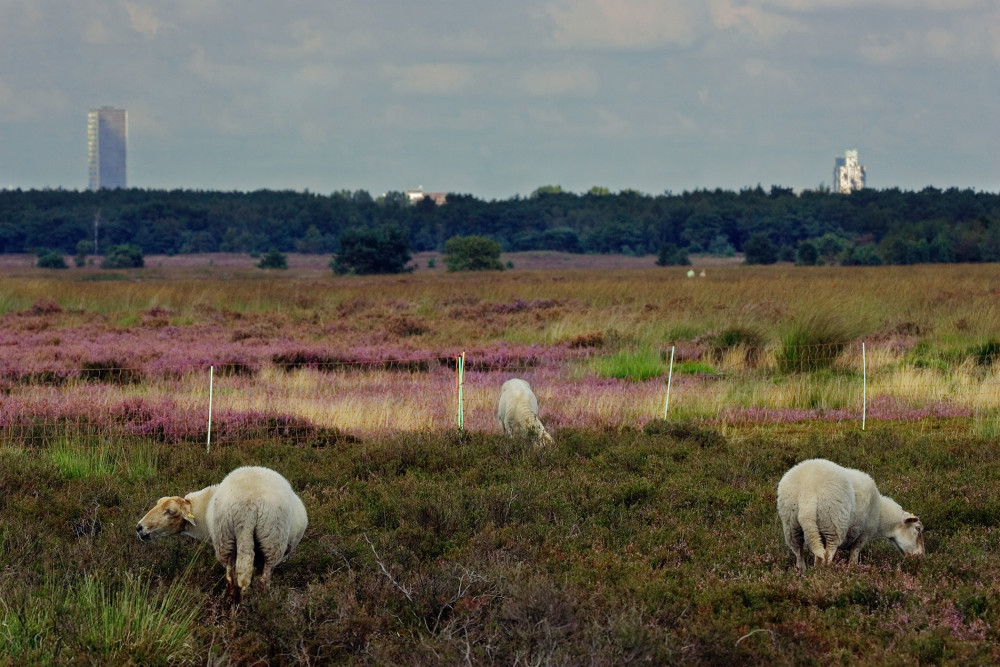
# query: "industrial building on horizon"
848, 175
107, 148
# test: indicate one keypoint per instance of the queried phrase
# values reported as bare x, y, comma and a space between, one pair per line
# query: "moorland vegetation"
630, 538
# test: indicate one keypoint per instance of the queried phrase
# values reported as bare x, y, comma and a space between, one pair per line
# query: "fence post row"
460, 360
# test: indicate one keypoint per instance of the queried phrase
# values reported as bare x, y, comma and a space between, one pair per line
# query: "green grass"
631, 364
123, 621
88, 458
658, 546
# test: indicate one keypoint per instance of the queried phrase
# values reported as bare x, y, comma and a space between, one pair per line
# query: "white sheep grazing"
518, 411
824, 506
252, 509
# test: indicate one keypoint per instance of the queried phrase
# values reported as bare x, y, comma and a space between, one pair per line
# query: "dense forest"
867, 227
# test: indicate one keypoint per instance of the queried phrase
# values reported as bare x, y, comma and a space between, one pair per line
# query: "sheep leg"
232, 591
265, 574
795, 541
274, 549
831, 550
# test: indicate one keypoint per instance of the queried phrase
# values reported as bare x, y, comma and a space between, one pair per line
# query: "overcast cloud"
495, 99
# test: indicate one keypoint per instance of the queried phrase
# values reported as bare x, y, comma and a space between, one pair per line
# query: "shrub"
671, 255
759, 250
125, 256
807, 255
472, 253
373, 251
51, 260
273, 260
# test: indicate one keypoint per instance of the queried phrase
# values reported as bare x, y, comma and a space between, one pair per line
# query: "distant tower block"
848, 175
107, 147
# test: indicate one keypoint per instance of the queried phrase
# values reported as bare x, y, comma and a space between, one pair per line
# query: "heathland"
647, 531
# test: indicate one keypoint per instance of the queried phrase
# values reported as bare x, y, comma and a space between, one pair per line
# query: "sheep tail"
809, 520
244, 556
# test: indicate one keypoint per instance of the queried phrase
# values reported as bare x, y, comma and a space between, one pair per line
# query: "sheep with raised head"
825, 507
518, 411
252, 510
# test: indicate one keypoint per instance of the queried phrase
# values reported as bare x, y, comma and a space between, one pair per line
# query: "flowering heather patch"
158, 338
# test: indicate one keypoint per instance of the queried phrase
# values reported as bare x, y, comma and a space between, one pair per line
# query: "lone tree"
83, 248
125, 256
807, 255
370, 251
273, 260
472, 253
759, 250
671, 255
51, 259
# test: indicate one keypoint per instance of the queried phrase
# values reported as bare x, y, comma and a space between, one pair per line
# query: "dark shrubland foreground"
609, 547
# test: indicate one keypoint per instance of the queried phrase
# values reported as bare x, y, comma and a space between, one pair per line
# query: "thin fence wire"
320, 399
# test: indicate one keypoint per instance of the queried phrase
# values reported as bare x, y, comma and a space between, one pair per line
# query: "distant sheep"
252, 509
518, 411
824, 506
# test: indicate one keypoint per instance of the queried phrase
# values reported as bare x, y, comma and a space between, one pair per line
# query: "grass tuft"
814, 342
123, 622
630, 364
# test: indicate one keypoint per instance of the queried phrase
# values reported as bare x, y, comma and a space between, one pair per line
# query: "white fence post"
460, 385
670, 375
864, 386
211, 377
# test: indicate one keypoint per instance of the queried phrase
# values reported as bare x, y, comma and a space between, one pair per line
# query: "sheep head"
170, 516
908, 535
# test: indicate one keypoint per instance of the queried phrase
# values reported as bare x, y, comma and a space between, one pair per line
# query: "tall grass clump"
78, 459
636, 364
742, 344
814, 342
125, 622
986, 353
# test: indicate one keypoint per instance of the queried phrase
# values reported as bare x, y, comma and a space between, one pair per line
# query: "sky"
495, 99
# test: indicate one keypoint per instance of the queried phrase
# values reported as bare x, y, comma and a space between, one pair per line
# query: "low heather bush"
611, 547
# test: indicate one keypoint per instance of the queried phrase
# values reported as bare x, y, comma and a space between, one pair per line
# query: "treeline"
871, 226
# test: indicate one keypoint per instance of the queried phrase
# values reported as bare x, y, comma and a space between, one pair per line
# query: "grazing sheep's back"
517, 410
253, 510
824, 506
261, 499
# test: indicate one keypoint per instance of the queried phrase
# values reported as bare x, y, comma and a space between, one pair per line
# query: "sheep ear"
188, 514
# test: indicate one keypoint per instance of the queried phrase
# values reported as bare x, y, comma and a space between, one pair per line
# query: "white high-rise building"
848, 175
107, 148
